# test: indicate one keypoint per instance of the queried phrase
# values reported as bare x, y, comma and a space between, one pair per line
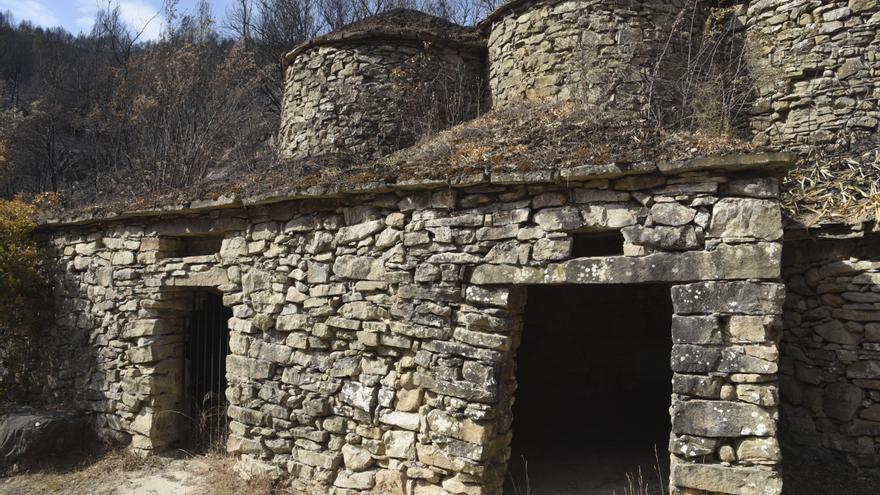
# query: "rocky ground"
125, 474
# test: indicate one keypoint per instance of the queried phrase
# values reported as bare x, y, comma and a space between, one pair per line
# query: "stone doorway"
206, 345
593, 390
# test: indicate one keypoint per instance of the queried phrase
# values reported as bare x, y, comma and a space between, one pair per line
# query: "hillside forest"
108, 112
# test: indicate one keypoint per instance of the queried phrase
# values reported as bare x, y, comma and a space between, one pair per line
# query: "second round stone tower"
601, 52
379, 84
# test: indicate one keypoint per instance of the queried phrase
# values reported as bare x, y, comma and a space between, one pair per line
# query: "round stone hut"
602, 52
378, 84
815, 66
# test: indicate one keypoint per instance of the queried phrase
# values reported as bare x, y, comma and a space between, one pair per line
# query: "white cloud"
31, 10
142, 16
85, 22
138, 15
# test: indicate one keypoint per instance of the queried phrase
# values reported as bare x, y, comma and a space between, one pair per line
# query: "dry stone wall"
373, 338
815, 65
830, 362
366, 98
597, 51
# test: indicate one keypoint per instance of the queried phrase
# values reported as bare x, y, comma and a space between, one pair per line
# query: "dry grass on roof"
533, 137
404, 21
542, 137
834, 186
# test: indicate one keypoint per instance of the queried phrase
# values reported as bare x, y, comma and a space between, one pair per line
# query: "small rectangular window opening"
590, 244
186, 246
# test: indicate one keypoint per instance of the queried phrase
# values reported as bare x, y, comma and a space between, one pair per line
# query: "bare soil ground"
119, 473
808, 471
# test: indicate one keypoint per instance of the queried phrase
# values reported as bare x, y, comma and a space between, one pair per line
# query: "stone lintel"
727, 262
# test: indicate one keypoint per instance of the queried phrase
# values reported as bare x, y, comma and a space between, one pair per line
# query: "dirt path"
122, 474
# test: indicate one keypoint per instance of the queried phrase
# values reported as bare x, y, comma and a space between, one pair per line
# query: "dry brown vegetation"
529, 137
834, 186
119, 471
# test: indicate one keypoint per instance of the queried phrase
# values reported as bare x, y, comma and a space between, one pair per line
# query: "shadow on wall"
830, 366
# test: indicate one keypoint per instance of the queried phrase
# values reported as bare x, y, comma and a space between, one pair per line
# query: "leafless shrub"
700, 79
429, 95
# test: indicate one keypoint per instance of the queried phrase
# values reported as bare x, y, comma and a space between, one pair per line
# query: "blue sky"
78, 15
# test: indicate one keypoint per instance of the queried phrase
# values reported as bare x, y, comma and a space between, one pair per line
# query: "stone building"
378, 84
385, 338
373, 336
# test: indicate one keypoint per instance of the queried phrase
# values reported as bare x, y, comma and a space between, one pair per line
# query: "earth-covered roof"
530, 143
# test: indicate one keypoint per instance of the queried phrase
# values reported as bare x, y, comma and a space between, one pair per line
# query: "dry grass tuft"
222, 479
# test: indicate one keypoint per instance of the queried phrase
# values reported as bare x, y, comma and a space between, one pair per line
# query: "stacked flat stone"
374, 335
344, 93
597, 51
831, 356
815, 65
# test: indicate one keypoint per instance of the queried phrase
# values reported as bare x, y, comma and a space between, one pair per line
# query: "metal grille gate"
207, 345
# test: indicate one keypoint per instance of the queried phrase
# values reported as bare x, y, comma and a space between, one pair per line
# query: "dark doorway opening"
593, 390
207, 345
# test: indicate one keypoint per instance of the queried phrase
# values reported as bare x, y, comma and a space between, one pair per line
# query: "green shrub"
24, 299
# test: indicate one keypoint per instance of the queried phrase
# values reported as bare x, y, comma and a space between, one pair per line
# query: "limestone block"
707, 387
273, 353
869, 369
746, 218
148, 327
674, 214
696, 330
551, 249
405, 420
359, 268
753, 187
355, 481
692, 447
356, 458
246, 367
721, 419
122, 258
836, 332
752, 329
329, 461
841, 400
256, 280
239, 445
758, 450
750, 298
289, 323
662, 237
748, 359
400, 444
762, 395
459, 428
553, 219
724, 479
358, 232
358, 395
687, 358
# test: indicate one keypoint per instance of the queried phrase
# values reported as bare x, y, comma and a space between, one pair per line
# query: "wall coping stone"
506, 7
765, 164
